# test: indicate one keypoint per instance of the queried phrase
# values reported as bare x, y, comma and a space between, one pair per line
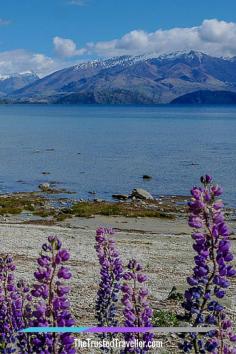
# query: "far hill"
207, 97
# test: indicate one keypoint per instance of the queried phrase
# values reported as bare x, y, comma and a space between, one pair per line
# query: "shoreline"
51, 207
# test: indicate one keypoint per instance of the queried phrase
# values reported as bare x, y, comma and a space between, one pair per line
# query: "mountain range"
13, 82
176, 77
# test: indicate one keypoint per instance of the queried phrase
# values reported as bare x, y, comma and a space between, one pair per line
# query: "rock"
147, 177
98, 200
140, 193
92, 192
120, 196
44, 187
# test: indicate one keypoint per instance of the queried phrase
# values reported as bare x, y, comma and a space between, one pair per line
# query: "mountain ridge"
144, 79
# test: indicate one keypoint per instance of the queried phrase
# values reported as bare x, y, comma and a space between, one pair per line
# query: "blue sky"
45, 35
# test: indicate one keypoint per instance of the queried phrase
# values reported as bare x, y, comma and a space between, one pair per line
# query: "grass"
58, 215
15, 204
163, 318
86, 209
44, 213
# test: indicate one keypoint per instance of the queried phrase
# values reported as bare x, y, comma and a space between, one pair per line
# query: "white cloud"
20, 60
65, 47
217, 31
77, 2
4, 22
212, 36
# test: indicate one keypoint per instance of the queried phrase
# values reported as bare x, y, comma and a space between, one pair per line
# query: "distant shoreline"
182, 101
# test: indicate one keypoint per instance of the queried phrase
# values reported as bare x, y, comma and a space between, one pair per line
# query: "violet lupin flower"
53, 307
222, 340
111, 274
137, 311
10, 306
211, 274
22, 339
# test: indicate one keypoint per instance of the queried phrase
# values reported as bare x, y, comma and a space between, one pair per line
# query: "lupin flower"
22, 339
111, 274
212, 271
10, 306
222, 340
52, 308
137, 311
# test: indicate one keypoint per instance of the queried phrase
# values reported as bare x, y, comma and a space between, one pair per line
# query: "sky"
47, 35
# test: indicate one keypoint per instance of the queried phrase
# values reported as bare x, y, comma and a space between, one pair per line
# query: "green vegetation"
57, 215
14, 204
42, 207
87, 209
44, 213
175, 295
163, 318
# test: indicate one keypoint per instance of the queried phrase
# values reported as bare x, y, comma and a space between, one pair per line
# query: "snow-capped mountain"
141, 79
124, 60
12, 82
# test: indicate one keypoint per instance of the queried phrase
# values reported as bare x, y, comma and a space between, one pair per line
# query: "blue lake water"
107, 149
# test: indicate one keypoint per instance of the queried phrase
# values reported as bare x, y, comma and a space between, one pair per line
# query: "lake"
108, 149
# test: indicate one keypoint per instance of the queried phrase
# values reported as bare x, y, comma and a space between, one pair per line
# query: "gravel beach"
164, 247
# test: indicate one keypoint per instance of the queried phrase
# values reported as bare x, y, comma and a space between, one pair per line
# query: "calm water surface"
107, 149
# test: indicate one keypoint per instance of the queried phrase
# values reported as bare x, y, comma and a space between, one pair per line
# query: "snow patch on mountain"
128, 60
25, 74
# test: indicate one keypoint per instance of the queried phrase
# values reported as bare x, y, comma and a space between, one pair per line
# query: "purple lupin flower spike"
22, 339
211, 274
220, 339
137, 311
53, 307
111, 274
10, 306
